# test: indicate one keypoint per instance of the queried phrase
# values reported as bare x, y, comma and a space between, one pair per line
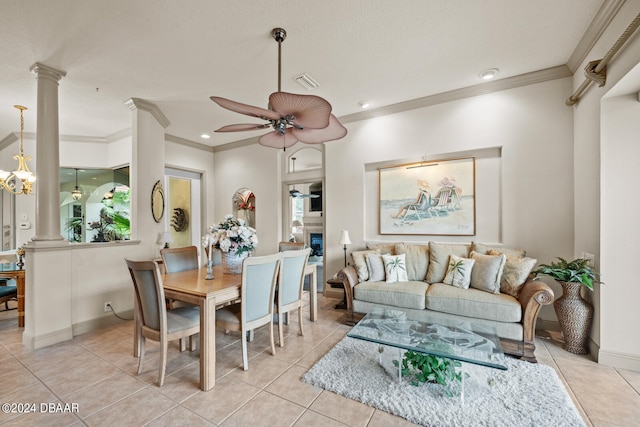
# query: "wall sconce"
22, 173
344, 240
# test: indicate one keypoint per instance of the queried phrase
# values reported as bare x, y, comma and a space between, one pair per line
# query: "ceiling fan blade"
275, 140
309, 196
242, 127
310, 111
241, 108
335, 130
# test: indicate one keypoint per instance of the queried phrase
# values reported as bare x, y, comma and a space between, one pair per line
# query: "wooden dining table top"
193, 281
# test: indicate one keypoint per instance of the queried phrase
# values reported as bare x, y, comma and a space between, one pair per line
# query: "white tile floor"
98, 372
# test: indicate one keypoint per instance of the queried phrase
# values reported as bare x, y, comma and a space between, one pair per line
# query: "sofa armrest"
533, 295
349, 278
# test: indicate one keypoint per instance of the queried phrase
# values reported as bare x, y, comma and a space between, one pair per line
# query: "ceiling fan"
297, 193
304, 118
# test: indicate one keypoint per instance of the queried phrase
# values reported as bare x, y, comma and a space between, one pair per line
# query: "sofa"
484, 283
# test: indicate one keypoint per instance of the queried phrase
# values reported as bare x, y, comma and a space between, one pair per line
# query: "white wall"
533, 127
613, 332
257, 168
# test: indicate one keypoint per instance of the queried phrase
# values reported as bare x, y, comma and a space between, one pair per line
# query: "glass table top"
462, 340
10, 266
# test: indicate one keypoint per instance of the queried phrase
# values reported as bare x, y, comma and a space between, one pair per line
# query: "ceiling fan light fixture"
294, 118
364, 104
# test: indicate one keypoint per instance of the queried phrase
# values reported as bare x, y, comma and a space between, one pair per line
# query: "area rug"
526, 394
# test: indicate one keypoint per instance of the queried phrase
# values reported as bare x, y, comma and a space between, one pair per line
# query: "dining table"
15, 271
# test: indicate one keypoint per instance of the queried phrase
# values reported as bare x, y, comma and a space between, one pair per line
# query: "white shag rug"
525, 395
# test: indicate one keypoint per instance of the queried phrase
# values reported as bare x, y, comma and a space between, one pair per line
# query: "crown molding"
598, 25
547, 74
9, 139
150, 107
188, 143
236, 144
121, 134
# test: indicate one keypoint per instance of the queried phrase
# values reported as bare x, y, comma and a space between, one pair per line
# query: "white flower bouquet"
231, 235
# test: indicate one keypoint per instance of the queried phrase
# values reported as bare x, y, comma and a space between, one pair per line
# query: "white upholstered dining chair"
290, 284
158, 323
256, 308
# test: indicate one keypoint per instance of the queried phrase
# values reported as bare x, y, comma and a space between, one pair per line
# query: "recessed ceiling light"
489, 74
364, 104
205, 136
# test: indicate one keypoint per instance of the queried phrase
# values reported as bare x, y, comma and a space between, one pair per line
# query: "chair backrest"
290, 246
259, 276
147, 283
180, 259
291, 277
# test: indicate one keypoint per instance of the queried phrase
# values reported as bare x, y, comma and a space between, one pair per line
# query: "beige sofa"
488, 284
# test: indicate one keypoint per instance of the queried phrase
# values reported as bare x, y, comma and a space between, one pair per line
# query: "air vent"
306, 81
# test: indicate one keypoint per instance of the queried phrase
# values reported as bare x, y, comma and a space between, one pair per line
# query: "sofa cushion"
487, 272
515, 274
459, 272
484, 248
383, 248
399, 294
361, 264
395, 268
473, 303
417, 257
375, 265
439, 259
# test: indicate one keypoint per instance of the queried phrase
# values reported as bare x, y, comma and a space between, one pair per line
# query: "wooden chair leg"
280, 330
183, 344
245, 359
141, 348
300, 320
164, 344
273, 344
193, 342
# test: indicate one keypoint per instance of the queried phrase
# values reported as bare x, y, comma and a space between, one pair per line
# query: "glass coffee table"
460, 340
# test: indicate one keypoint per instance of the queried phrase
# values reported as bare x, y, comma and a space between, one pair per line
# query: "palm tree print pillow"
459, 272
395, 268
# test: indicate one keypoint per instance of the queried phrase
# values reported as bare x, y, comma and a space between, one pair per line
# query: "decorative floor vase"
574, 315
232, 262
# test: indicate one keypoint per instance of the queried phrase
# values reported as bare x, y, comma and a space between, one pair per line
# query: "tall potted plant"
574, 313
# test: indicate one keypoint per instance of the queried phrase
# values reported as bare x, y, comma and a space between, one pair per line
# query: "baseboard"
619, 360
100, 322
547, 325
35, 342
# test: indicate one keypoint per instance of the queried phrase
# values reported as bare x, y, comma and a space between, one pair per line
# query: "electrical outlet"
107, 306
590, 258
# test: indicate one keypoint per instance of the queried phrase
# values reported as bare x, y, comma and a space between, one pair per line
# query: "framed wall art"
428, 198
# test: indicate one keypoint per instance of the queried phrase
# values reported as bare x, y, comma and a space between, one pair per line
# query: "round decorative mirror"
157, 201
244, 205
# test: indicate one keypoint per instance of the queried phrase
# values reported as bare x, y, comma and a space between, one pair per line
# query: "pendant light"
76, 194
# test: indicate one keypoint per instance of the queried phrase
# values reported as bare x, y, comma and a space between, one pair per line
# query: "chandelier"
8, 179
76, 194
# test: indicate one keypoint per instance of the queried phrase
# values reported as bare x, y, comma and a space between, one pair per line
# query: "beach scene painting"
430, 198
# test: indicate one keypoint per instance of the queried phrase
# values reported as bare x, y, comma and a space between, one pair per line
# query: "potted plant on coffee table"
574, 313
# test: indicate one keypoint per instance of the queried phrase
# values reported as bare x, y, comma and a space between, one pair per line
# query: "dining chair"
158, 323
176, 260
256, 308
290, 284
7, 293
290, 246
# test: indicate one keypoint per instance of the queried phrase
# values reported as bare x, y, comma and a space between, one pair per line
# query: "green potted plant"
574, 313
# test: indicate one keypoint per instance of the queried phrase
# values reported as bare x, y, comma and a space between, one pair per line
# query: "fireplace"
316, 244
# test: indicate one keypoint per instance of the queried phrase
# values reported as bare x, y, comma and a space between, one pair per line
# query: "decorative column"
47, 157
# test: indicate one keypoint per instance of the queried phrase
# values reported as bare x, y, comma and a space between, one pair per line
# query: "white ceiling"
177, 53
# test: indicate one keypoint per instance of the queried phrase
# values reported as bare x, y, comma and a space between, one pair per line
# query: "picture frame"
428, 198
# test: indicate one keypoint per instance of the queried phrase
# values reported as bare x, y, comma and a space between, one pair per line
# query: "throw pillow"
515, 274
483, 248
439, 259
417, 258
375, 265
487, 272
383, 248
459, 272
361, 264
395, 268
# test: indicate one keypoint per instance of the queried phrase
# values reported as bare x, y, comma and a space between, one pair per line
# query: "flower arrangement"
231, 235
